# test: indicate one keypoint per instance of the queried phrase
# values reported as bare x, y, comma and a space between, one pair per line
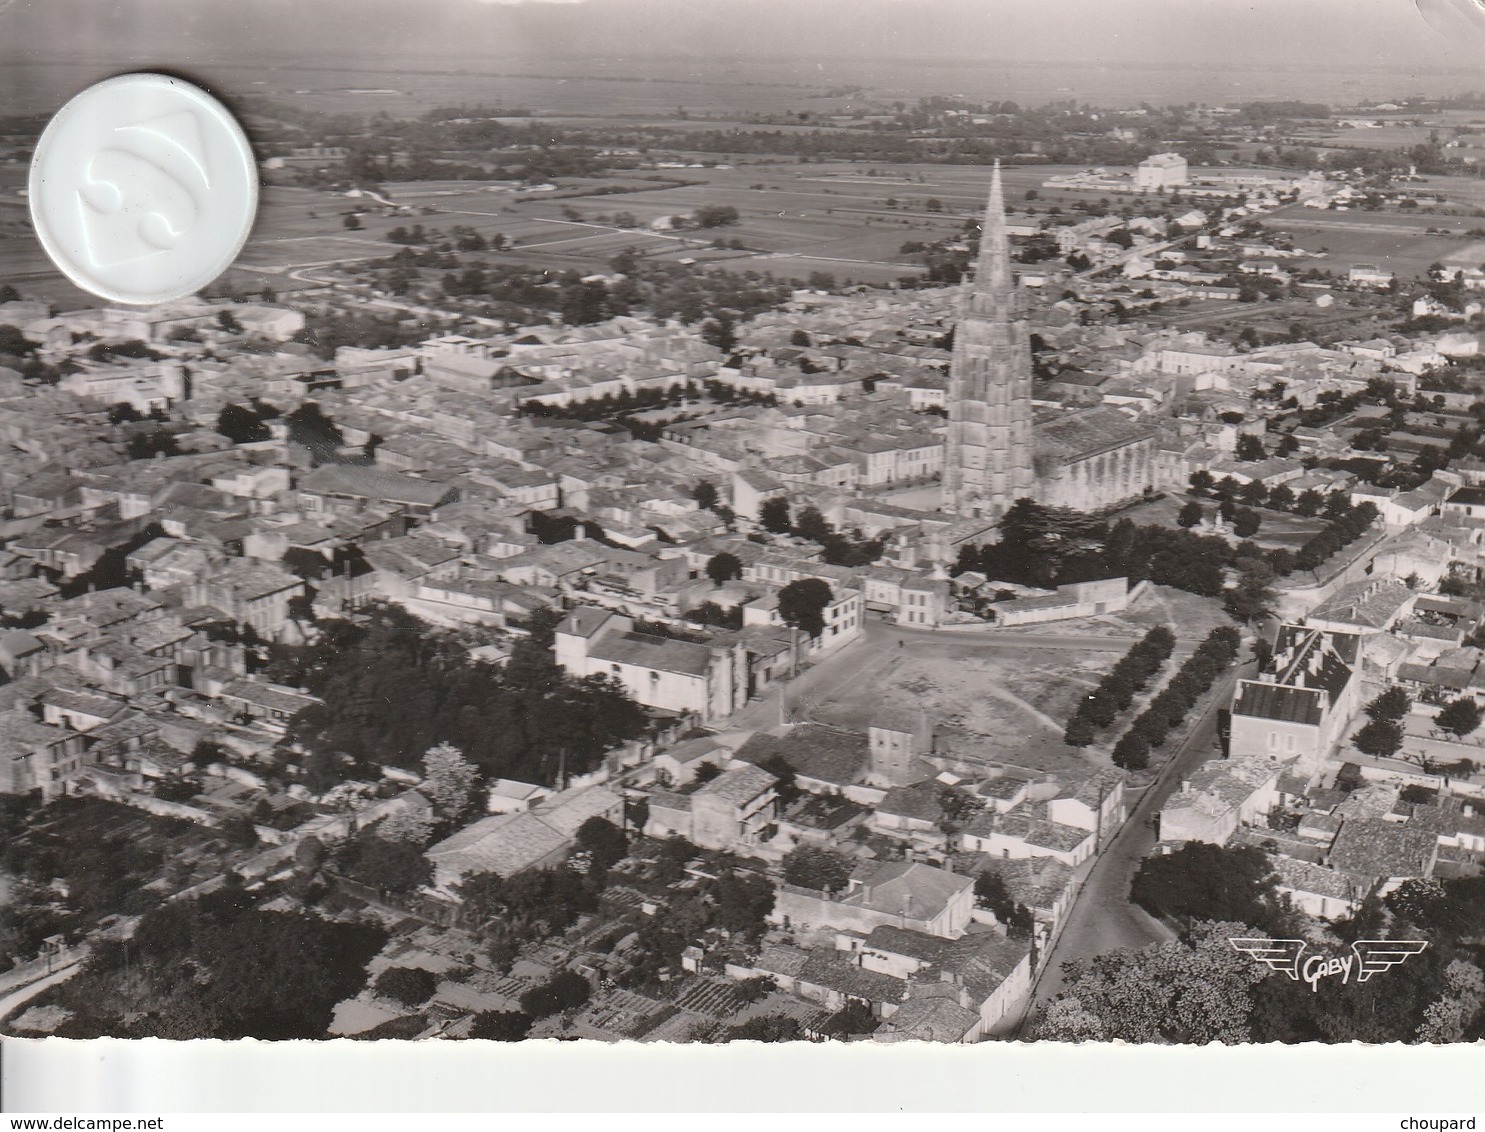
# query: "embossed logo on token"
143, 189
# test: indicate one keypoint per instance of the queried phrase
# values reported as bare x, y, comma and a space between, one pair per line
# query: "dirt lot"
1012, 702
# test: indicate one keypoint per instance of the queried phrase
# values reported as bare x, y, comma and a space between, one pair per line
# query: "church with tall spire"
988, 452
997, 450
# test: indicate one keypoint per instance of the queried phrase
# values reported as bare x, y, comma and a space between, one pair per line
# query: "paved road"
17, 999
1102, 918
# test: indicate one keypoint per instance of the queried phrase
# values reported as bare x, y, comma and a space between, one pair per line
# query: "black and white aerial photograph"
820, 521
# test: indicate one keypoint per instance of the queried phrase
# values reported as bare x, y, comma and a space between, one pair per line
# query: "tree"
1460, 717
812, 525
801, 339
1201, 482
604, 840
351, 221
1253, 493
720, 332
705, 494
242, 426
1190, 514
1380, 738
723, 567
415, 827
766, 1028
1250, 448
1132, 751
9, 294
268, 975
309, 854
1252, 597
774, 515
1450, 1017
1200, 881
802, 604
1194, 990
813, 866
501, 1026
449, 780
1309, 503
1245, 522
565, 990
1393, 704
1080, 731
228, 322
411, 986
991, 892
1281, 498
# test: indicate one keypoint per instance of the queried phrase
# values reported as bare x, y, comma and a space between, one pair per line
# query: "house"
1384, 853
510, 843
732, 811
905, 893
1081, 599
251, 593
1218, 798
1316, 890
1302, 701
333, 487
659, 672
984, 973
34, 756
1027, 831
1373, 605
678, 765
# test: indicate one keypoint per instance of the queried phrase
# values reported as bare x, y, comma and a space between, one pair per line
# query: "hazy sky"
1390, 34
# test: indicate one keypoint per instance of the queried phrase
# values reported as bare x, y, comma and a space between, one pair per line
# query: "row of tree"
1116, 691
1174, 702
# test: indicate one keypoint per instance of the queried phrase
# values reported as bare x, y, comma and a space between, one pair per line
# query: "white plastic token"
143, 189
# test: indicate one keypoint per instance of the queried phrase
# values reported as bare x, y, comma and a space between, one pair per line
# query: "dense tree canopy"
1210, 882
802, 604
393, 688
812, 866
218, 967
1196, 990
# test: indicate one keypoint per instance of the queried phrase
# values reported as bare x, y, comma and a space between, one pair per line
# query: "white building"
1160, 171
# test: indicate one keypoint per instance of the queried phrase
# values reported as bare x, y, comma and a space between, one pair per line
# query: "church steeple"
993, 270
988, 460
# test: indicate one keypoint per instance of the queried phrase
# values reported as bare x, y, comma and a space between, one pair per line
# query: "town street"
1102, 918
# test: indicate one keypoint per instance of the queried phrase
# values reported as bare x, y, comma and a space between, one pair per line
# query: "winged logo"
1373, 956
1368, 957
1280, 954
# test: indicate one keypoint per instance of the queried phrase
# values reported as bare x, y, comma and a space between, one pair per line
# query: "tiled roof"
1077, 436
1374, 848
647, 651
814, 751
739, 785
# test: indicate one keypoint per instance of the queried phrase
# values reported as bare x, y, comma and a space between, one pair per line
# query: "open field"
1400, 244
